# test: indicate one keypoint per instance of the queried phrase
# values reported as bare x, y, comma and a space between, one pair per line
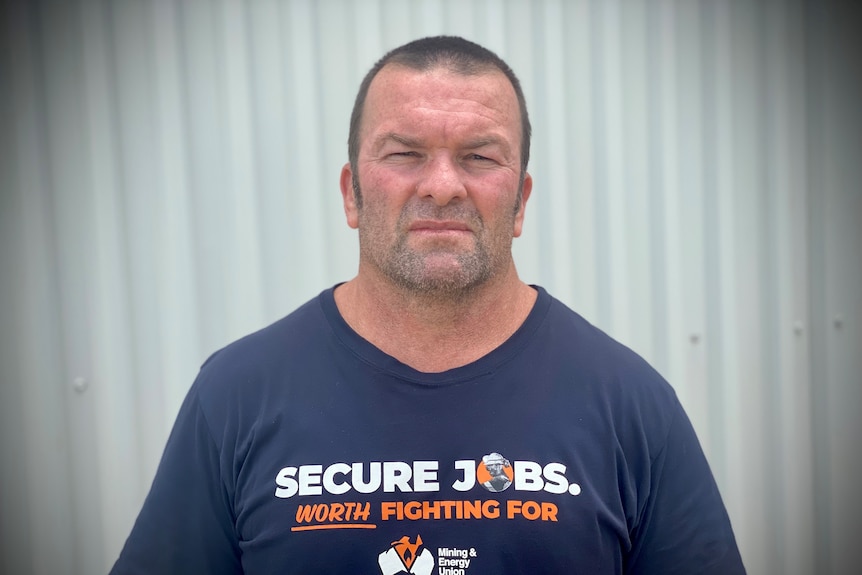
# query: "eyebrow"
482, 142
403, 140
417, 143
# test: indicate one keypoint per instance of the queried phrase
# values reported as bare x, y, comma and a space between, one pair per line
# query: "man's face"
439, 173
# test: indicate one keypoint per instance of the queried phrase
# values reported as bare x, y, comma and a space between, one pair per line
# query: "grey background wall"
169, 182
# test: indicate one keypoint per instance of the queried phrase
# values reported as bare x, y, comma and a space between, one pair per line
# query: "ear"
525, 195
348, 196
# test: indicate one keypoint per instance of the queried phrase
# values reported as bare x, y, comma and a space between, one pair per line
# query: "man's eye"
479, 158
405, 154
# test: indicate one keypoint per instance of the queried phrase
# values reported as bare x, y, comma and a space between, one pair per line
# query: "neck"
431, 332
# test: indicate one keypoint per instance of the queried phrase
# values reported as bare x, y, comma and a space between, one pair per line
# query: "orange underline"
335, 526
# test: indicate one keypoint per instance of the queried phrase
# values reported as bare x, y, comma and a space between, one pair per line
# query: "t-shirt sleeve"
186, 524
684, 527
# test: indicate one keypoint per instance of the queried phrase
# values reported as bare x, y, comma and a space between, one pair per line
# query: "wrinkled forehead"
395, 78
397, 90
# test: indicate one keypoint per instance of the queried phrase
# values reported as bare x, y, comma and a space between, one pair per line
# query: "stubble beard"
440, 271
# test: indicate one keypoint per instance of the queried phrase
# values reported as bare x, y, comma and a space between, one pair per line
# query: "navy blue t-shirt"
303, 449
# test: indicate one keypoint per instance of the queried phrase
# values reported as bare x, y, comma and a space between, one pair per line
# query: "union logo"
495, 473
404, 556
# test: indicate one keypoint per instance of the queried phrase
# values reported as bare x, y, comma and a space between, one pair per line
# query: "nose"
442, 181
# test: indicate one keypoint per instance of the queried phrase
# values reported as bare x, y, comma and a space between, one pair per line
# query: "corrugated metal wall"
169, 183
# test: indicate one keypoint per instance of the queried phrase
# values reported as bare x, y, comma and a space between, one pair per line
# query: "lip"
439, 226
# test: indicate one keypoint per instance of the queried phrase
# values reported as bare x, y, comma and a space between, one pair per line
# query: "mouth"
439, 226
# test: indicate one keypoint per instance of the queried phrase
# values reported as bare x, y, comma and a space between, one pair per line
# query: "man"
349, 436
497, 471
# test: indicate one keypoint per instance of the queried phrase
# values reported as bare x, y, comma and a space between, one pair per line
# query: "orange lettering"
472, 509
336, 511
549, 511
321, 512
430, 510
362, 513
413, 510
513, 507
387, 510
491, 509
304, 513
447, 508
531, 510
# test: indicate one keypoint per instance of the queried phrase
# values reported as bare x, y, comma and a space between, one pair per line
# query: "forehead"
440, 98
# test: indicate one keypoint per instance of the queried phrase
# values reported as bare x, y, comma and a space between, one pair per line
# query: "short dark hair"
452, 53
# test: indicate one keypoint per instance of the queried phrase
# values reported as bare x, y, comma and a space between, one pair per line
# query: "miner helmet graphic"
403, 556
495, 472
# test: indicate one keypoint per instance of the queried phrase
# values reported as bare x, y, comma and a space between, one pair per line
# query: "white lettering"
406, 477
468, 466
528, 476
425, 476
309, 479
396, 474
555, 475
329, 478
462, 563
452, 552
357, 477
287, 486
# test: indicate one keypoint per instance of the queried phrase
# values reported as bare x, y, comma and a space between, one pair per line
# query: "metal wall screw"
838, 321
694, 338
80, 384
798, 328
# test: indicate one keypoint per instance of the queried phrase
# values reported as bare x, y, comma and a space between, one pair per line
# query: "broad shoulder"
263, 357
599, 360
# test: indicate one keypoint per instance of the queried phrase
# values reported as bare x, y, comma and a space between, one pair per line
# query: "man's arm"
186, 525
683, 528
